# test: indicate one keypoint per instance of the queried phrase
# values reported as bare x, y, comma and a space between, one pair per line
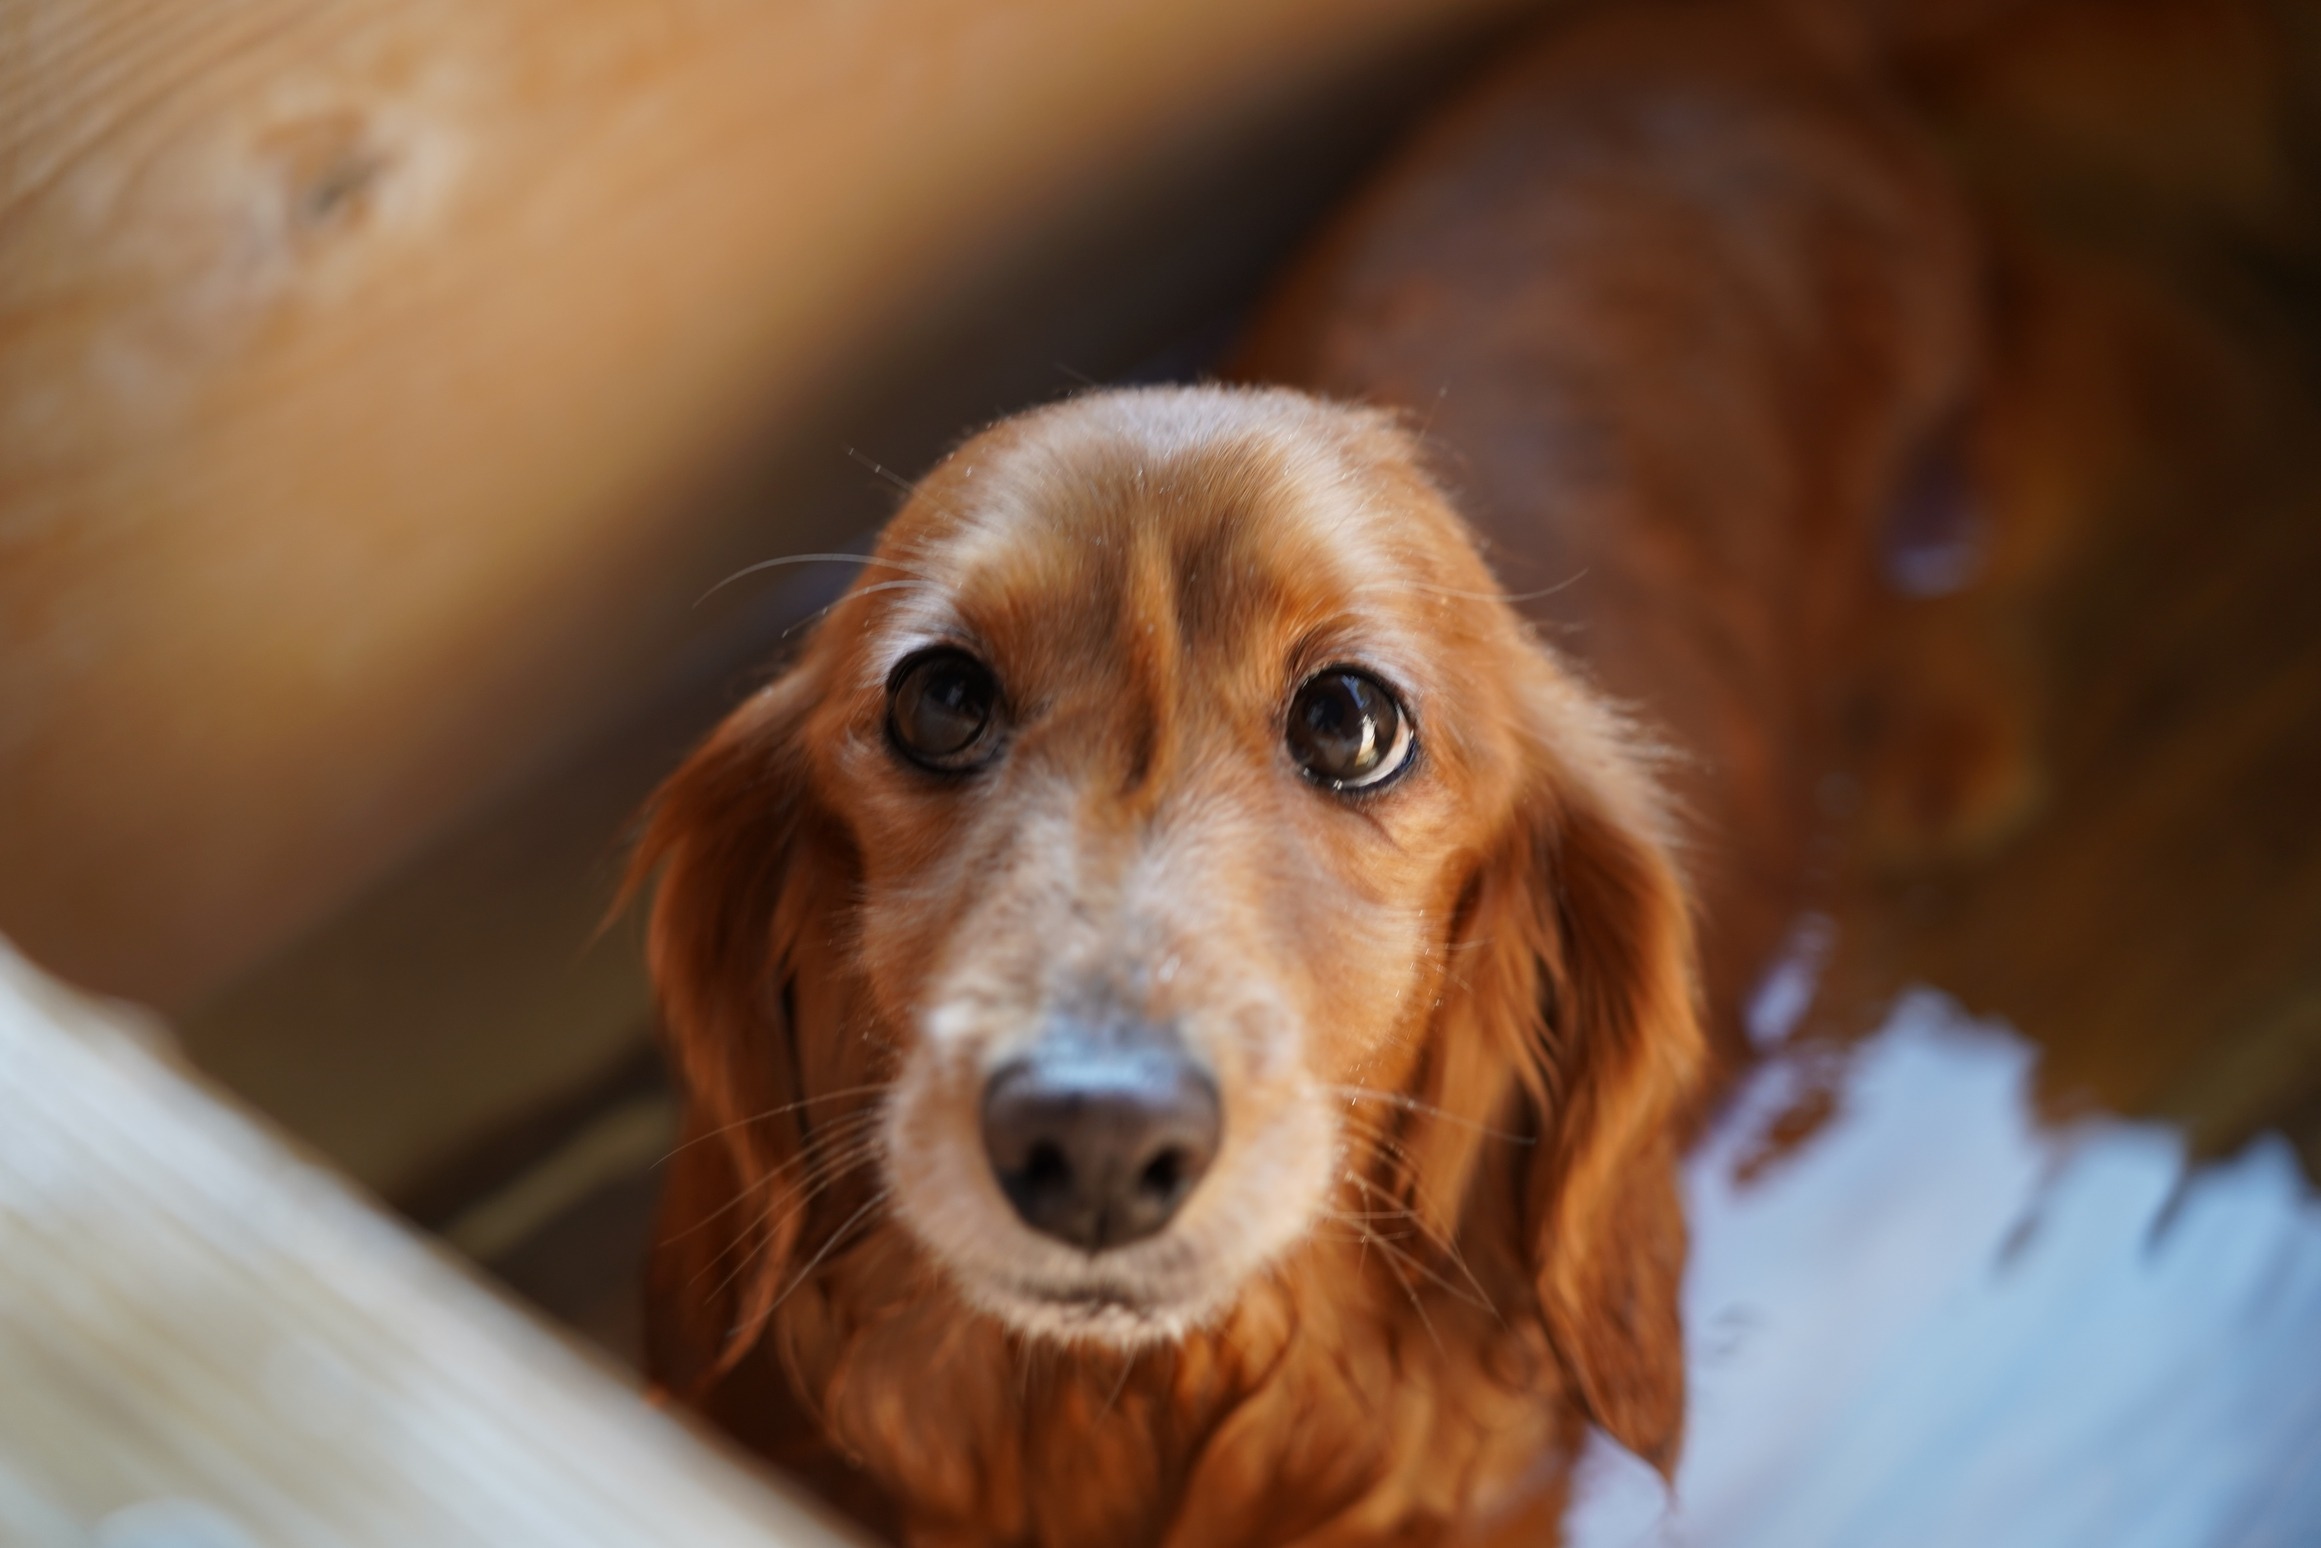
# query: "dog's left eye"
1347, 730
943, 709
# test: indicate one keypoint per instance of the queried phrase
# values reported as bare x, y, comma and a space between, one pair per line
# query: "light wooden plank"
381, 382
207, 1341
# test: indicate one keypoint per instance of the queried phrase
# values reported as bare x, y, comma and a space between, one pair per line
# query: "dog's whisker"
753, 1325
1390, 1154
1372, 1233
1390, 1255
1390, 1146
1434, 1235
1411, 1104
826, 1171
753, 1321
1392, 1150
850, 1133
748, 570
818, 1178
851, 1129
828, 1247
1474, 1296
1386, 1241
1119, 1385
775, 1112
1480, 1298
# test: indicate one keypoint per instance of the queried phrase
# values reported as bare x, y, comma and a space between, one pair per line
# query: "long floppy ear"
745, 859
1587, 951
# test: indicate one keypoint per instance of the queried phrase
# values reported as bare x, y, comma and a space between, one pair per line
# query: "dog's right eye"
1348, 731
943, 710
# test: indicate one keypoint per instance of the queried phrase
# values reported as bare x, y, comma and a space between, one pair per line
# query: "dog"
1182, 1002
1187, 1002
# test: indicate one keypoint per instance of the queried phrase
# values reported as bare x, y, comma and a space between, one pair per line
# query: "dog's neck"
1385, 1415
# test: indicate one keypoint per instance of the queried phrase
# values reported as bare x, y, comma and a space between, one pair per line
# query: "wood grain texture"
207, 1340
365, 371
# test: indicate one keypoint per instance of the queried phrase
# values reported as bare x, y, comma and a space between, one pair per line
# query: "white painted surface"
1937, 1325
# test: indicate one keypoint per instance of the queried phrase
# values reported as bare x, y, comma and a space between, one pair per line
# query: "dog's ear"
1584, 970
741, 849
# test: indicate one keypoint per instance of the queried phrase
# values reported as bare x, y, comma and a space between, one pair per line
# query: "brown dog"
1184, 1002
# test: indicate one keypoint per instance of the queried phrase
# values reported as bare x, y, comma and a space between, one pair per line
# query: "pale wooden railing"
209, 1341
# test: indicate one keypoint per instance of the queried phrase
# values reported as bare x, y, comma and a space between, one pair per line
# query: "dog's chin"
1156, 1291
1092, 1312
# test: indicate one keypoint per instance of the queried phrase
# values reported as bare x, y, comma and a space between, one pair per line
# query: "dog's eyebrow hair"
1508, 597
881, 469
854, 559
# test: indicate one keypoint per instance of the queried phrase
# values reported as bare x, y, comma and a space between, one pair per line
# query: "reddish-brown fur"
1686, 304
1698, 301
1357, 1390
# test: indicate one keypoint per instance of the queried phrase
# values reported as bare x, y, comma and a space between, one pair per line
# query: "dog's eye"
1347, 731
943, 709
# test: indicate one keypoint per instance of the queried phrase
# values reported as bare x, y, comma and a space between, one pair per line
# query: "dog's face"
1188, 848
1165, 774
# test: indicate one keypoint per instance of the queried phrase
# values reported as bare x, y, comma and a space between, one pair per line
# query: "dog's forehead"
1201, 517
1116, 497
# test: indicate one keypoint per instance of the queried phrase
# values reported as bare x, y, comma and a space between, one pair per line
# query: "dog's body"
1062, 782
1687, 305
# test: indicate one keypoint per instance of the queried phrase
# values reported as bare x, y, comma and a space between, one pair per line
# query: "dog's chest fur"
1309, 1419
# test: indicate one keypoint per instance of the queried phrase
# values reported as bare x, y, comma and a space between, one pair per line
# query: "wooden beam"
374, 377
207, 1341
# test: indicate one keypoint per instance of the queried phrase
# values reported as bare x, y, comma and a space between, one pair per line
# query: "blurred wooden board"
381, 383
208, 1342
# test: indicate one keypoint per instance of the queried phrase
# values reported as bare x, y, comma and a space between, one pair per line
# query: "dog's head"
1172, 847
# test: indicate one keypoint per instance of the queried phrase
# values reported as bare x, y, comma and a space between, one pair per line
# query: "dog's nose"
1097, 1139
